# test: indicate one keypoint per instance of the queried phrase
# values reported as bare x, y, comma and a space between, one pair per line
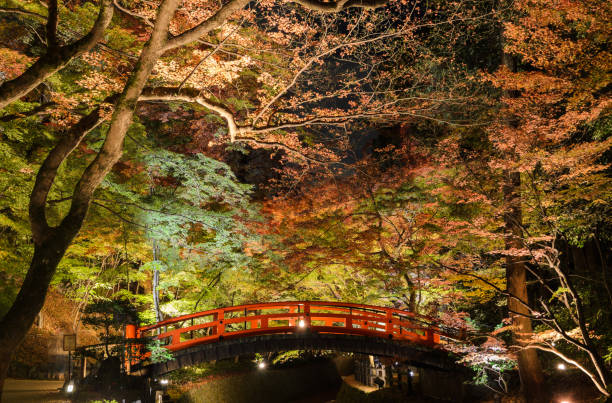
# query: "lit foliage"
418, 224
260, 66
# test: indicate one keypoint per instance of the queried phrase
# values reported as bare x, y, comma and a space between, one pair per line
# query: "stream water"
320, 397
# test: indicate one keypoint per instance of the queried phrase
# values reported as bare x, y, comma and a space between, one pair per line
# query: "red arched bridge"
280, 326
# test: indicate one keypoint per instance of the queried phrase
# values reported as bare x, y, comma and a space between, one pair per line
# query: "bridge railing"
291, 317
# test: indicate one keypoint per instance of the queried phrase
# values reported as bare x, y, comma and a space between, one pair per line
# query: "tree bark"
22, 314
412, 292
4, 365
530, 369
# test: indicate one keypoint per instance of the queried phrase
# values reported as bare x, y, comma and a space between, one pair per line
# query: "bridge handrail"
284, 304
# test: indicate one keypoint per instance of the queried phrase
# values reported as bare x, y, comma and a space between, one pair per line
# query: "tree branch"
188, 95
211, 53
334, 7
212, 23
116, 214
52, 26
193, 96
48, 171
36, 111
55, 58
232, 6
144, 19
11, 10
317, 57
123, 114
600, 387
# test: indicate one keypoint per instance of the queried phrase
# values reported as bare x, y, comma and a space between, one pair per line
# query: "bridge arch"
413, 354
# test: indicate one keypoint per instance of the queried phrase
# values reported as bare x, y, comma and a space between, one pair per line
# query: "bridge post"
432, 337
389, 324
436, 335
307, 315
349, 320
131, 350
220, 325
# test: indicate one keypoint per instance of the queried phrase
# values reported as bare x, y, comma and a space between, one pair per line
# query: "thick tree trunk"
31, 298
412, 294
4, 365
530, 369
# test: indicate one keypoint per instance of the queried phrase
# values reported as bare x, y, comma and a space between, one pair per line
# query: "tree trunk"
31, 298
530, 369
158, 314
412, 293
5, 351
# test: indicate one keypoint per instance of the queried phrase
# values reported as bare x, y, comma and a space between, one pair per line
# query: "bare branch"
211, 53
10, 10
334, 7
600, 387
144, 19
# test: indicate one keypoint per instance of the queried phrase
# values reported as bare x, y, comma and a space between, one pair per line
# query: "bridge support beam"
230, 348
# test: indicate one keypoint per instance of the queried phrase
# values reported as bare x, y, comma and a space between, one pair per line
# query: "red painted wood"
316, 316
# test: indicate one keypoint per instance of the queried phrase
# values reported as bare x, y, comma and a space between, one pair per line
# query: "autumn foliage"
188, 155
